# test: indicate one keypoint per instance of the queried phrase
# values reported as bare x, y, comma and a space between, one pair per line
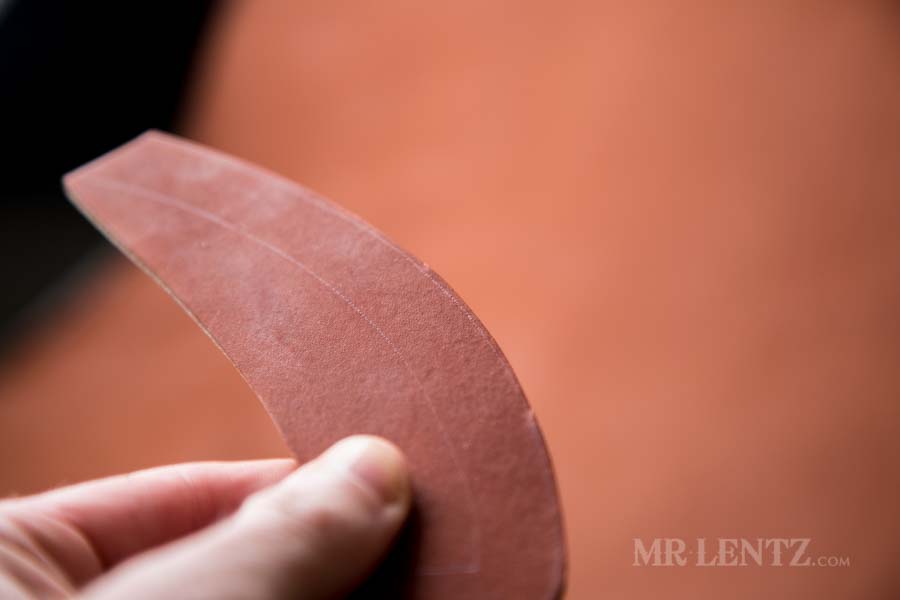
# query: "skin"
252, 529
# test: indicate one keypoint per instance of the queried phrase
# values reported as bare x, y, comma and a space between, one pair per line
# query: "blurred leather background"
679, 220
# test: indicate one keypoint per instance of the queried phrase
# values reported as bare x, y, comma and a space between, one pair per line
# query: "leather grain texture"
338, 331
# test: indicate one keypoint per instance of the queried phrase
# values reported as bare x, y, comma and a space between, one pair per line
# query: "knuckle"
322, 522
329, 510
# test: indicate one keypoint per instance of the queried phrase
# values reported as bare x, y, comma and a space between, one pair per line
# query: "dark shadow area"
392, 579
78, 79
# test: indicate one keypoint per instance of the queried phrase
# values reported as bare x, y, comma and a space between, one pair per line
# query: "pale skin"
255, 529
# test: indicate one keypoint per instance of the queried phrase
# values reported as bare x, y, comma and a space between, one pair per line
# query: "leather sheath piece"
338, 331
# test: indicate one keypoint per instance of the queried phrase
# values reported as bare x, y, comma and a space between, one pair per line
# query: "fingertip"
376, 464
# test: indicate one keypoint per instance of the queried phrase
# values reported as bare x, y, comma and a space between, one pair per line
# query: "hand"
250, 529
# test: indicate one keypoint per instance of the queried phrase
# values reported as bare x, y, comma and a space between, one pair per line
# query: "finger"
88, 527
315, 535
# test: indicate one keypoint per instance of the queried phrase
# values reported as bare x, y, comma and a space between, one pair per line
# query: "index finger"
120, 516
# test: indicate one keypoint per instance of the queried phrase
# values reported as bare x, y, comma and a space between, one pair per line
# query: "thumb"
316, 534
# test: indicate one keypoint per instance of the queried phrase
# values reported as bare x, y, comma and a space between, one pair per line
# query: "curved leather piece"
339, 331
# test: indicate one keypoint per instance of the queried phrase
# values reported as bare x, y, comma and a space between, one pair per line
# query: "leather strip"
338, 331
